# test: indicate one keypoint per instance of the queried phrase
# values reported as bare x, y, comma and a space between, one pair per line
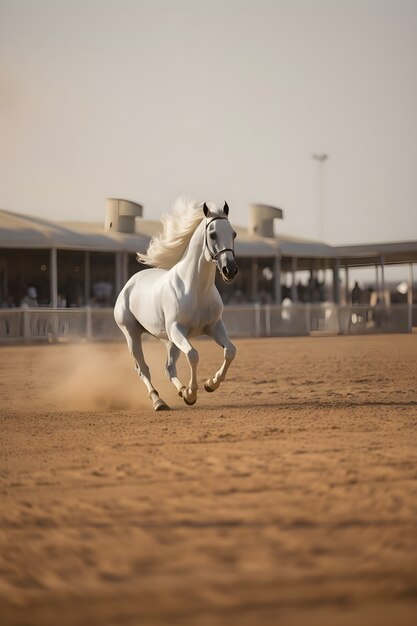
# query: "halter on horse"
177, 298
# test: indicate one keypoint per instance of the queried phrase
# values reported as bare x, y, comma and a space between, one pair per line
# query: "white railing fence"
96, 324
306, 319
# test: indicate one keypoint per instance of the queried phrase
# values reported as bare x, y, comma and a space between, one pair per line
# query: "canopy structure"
397, 252
258, 249
23, 231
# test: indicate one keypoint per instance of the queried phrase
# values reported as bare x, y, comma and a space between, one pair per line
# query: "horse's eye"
213, 235
234, 235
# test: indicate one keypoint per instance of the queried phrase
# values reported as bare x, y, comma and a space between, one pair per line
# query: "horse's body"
178, 299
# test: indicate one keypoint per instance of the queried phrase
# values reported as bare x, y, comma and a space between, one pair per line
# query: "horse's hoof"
187, 395
210, 385
181, 391
159, 405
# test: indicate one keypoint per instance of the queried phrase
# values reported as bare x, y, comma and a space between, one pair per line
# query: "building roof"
393, 252
23, 231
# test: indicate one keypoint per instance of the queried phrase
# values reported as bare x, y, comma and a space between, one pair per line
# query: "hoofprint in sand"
290, 498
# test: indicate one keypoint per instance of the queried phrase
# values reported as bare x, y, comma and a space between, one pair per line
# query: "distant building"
74, 264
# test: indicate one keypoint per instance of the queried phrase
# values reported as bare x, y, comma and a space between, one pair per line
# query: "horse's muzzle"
229, 270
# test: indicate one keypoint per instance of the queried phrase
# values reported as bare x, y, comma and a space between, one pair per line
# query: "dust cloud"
91, 377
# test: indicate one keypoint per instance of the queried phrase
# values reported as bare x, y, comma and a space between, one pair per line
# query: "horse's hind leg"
133, 333
219, 333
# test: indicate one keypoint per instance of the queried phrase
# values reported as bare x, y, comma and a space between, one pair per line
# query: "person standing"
356, 294
31, 298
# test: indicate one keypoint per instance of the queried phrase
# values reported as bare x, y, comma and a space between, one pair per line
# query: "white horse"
177, 298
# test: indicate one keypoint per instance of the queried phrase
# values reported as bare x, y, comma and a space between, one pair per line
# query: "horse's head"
219, 242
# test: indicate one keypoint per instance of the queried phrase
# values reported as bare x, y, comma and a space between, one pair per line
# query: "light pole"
321, 159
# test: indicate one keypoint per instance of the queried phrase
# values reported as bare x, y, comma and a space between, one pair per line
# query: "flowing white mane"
167, 248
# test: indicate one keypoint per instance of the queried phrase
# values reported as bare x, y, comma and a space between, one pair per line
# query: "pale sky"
214, 99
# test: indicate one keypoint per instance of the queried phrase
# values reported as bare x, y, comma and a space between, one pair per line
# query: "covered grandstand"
80, 264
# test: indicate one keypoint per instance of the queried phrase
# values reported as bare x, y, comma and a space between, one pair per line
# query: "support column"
125, 268
410, 285
410, 297
277, 280
377, 291
310, 284
87, 278
54, 278
347, 291
294, 297
254, 280
118, 269
336, 285
383, 278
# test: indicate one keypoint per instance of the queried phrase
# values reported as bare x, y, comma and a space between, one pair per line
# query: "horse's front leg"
219, 333
178, 336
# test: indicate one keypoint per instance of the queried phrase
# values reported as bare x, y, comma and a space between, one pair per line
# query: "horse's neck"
194, 269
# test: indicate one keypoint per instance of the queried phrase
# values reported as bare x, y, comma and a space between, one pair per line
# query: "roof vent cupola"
261, 219
121, 215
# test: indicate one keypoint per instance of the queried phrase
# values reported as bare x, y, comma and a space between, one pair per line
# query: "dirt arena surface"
288, 497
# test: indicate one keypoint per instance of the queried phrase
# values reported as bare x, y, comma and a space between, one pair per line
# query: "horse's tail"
166, 249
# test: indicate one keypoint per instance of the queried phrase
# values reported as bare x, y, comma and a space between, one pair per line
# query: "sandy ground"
287, 497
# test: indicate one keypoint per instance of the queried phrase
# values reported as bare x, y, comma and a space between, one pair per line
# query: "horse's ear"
206, 209
226, 209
